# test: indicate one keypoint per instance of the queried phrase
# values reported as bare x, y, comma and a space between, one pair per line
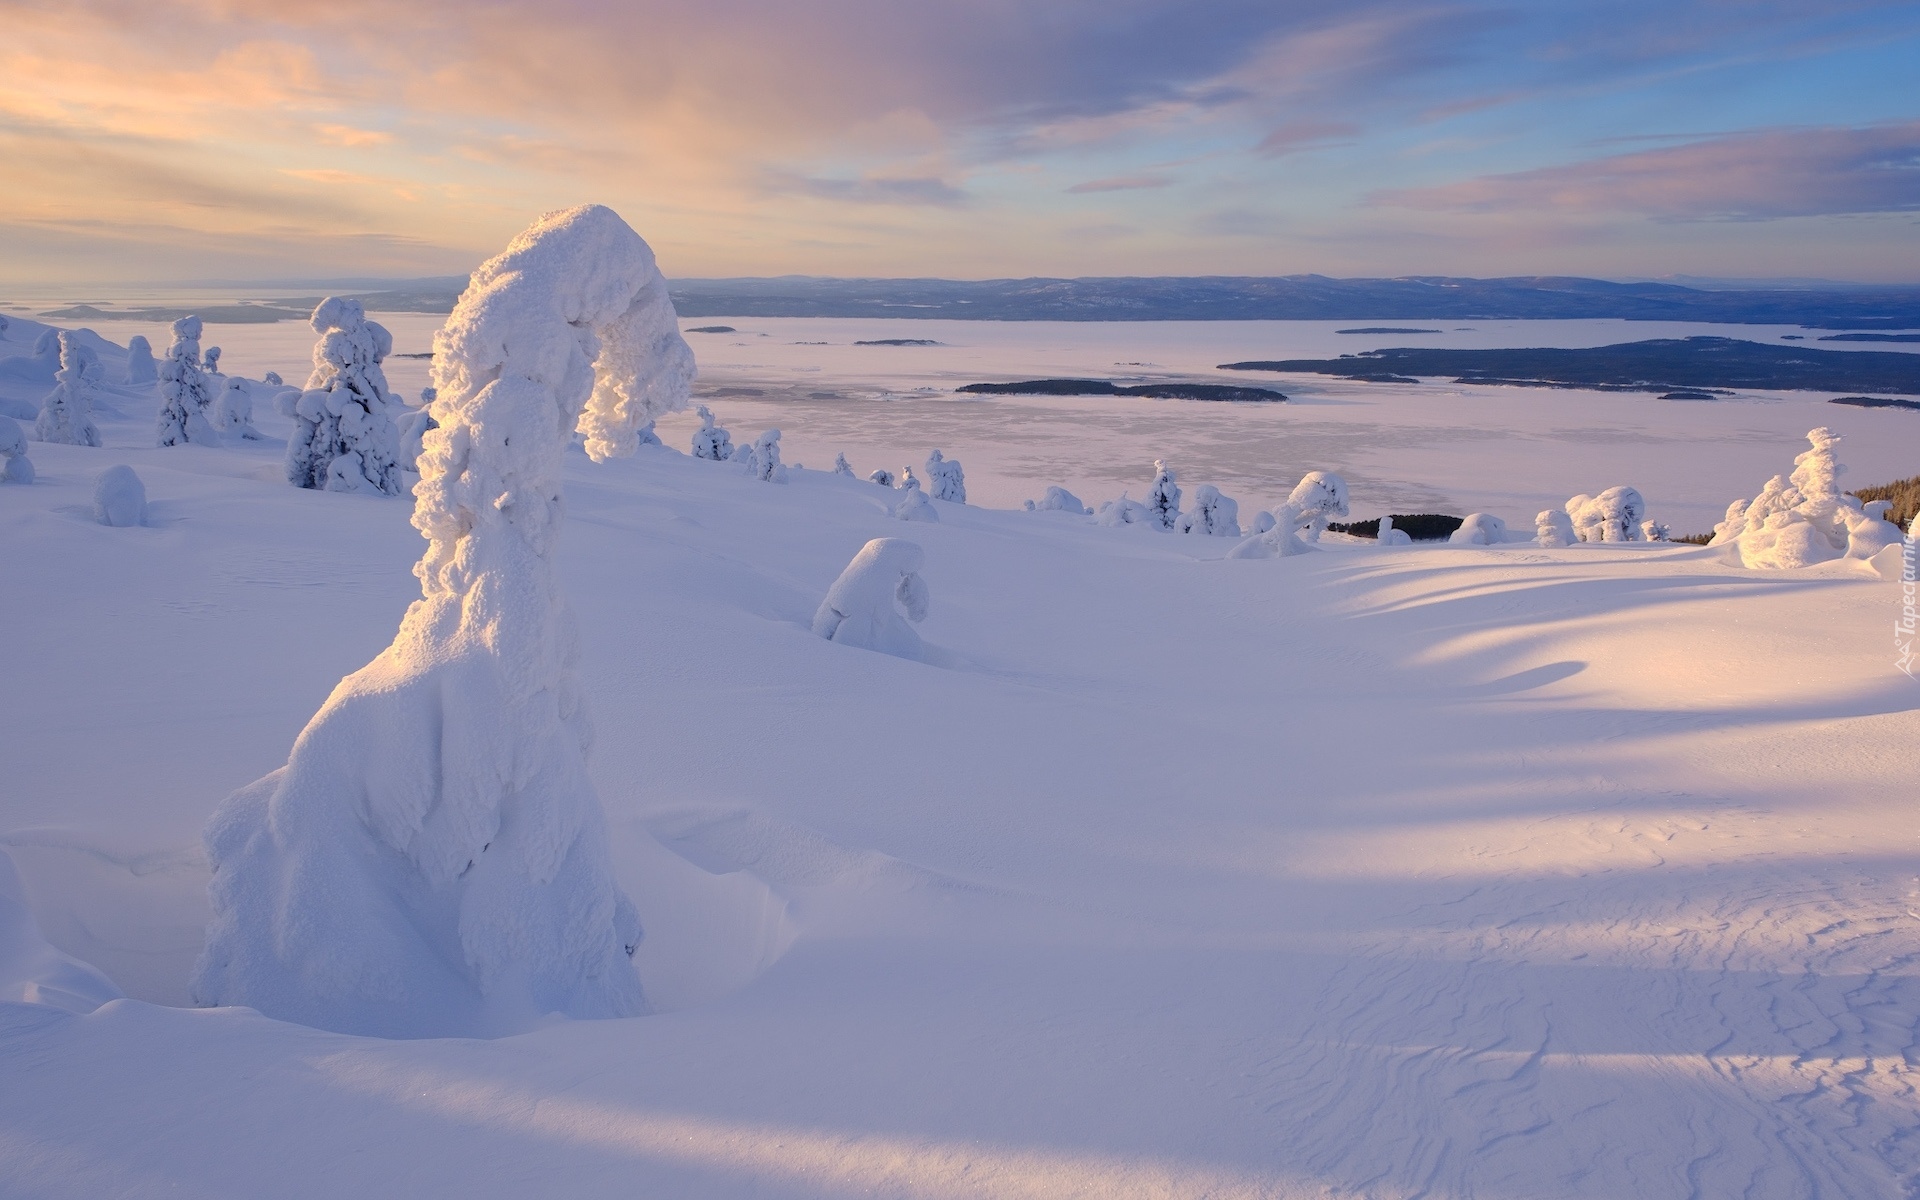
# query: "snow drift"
432, 860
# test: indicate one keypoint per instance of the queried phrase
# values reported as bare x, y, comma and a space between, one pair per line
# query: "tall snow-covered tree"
945, 477
710, 441
66, 416
433, 860
1163, 498
344, 438
185, 393
874, 598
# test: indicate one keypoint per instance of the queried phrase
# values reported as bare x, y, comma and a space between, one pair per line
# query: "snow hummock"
66, 416
15, 466
1805, 519
1480, 529
881, 476
185, 393
31, 971
1059, 499
1553, 529
345, 439
119, 498
433, 860
871, 602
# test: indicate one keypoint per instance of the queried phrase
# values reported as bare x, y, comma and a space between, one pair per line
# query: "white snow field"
1436, 871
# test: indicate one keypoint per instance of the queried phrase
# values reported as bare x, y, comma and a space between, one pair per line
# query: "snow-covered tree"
1059, 499
1553, 528
1654, 531
1805, 519
1263, 521
15, 466
212, 360
763, 462
646, 436
946, 478
233, 412
344, 438
1163, 498
119, 498
185, 394
1317, 498
913, 504
881, 476
141, 368
433, 860
1615, 515
66, 416
711, 441
1480, 529
874, 598
1212, 513
841, 466
1389, 536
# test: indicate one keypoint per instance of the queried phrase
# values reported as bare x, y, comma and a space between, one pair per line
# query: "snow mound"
1059, 499
31, 971
433, 859
1480, 529
119, 498
15, 466
37, 367
874, 598
913, 504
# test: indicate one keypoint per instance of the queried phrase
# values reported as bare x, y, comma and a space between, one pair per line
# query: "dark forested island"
1101, 387
1658, 365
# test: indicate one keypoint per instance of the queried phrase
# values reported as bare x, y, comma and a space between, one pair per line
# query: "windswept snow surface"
1443, 871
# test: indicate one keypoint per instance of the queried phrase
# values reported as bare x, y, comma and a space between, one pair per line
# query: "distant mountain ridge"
1292, 298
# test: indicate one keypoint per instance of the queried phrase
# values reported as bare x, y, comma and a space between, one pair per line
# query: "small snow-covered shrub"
763, 460
15, 466
1212, 514
119, 498
1615, 515
433, 859
945, 477
185, 393
874, 598
140, 364
1124, 511
913, 504
841, 466
212, 362
1654, 531
344, 439
1058, 499
1805, 519
1319, 496
645, 436
272, 379
233, 413
881, 476
1387, 535
1553, 528
1262, 521
710, 441
66, 416
1480, 529
1163, 498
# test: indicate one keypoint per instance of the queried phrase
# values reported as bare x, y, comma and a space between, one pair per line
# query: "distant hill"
1292, 297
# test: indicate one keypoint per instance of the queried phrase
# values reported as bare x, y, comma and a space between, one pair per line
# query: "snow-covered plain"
1439, 871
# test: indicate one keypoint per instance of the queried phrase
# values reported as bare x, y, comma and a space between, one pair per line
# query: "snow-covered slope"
1436, 871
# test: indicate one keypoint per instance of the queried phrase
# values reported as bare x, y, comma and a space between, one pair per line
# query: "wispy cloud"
1295, 136
1119, 183
921, 190
1757, 175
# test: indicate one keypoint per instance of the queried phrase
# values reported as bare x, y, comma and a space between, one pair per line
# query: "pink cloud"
1753, 176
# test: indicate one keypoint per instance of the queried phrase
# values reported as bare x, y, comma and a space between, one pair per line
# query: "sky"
254, 140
